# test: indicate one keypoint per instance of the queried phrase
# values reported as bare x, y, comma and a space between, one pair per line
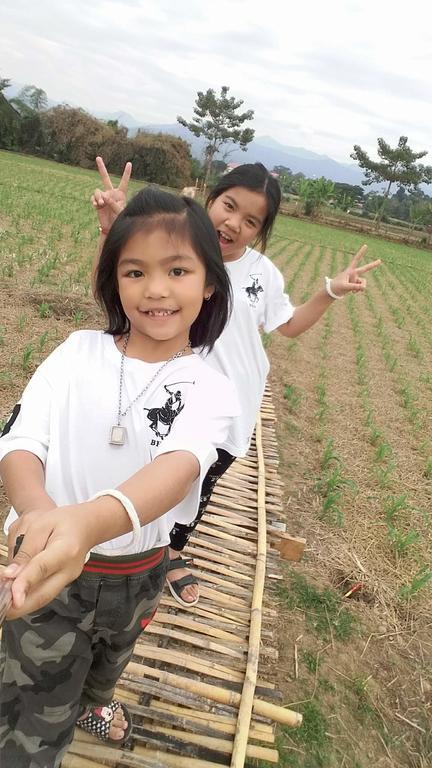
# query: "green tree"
396, 166
10, 123
4, 83
30, 100
217, 119
420, 213
314, 193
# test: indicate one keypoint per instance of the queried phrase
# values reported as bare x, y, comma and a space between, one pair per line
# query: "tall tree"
218, 120
30, 100
396, 166
4, 83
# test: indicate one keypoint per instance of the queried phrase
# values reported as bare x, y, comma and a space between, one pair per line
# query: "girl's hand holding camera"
54, 546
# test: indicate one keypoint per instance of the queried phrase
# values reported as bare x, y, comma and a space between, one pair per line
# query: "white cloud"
319, 75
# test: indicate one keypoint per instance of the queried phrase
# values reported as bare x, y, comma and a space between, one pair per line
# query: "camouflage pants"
71, 654
182, 532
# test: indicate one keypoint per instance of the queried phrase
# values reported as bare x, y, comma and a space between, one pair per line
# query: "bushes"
72, 136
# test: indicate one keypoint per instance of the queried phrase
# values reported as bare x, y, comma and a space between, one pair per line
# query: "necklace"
118, 433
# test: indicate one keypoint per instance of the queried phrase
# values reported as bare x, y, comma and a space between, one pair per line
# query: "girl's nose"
156, 287
233, 222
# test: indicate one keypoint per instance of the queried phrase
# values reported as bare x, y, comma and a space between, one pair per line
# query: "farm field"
354, 404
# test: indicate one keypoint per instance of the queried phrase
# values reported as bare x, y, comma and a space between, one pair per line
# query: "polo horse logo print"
161, 419
253, 291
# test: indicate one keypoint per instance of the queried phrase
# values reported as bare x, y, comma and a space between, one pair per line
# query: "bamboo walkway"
196, 686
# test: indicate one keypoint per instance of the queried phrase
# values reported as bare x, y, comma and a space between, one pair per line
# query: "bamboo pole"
221, 559
232, 617
224, 570
222, 723
190, 639
213, 692
185, 660
221, 745
196, 626
245, 710
241, 557
175, 761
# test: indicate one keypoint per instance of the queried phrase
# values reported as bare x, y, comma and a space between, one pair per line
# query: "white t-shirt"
71, 403
259, 301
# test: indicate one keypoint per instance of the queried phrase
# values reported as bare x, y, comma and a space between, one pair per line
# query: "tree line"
70, 135
397, 166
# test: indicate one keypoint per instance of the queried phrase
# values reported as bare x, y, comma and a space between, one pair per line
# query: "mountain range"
263, 149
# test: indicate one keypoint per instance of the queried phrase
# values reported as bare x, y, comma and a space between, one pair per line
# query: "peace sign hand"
110, 201
351, 280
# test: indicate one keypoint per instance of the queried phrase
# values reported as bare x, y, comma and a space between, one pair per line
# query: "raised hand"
110, 201
351, 279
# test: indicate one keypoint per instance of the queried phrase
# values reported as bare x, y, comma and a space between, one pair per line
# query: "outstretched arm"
108, 203
56, 542
350, 280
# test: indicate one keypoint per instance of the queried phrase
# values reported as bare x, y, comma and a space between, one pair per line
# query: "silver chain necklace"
118, 433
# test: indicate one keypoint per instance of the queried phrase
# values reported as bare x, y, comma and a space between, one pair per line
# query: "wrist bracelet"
332, 295
131, 512
103, 231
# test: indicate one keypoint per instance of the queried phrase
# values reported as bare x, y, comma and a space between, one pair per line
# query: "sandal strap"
99, 724
179, 562
179, 584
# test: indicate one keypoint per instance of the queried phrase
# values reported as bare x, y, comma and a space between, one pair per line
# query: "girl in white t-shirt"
243, 207
116, 430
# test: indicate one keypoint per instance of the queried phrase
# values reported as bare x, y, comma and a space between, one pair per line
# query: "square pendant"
118, 435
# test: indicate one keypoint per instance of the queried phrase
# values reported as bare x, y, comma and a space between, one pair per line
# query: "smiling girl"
115, 431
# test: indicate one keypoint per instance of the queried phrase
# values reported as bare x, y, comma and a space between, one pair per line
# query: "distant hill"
264, 149
270, 152
124, 118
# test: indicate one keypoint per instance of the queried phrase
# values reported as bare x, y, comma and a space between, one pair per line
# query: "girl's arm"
30, 494
55, 544
350, 280
108, 203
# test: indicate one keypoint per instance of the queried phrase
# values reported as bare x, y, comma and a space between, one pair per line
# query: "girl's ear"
209, 291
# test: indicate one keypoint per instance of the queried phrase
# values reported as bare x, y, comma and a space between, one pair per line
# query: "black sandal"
99, 719
176, 587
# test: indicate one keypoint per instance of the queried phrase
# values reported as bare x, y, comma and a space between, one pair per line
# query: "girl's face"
238, 216
162, 284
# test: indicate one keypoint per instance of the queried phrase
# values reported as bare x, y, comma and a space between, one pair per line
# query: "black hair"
150, 209
256, 177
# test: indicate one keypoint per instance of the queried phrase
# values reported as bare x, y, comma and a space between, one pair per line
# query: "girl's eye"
178, 271
251, 223
134, 273
228, 205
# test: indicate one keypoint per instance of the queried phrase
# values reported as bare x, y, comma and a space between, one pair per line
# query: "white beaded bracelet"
328, 288
130, 509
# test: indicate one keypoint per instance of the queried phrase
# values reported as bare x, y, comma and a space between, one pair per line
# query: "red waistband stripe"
125, 568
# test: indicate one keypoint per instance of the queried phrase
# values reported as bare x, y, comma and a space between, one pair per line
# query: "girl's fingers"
103, 173
97, 198
43, 578
124, 181
368, 267
359, 285
358, 257
30, 601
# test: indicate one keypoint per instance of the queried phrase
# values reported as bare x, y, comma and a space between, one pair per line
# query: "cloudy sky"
321, 75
